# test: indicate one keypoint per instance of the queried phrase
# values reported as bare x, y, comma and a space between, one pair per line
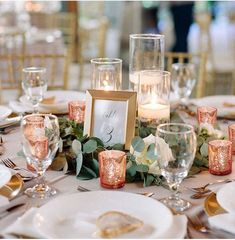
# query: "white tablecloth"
69, 184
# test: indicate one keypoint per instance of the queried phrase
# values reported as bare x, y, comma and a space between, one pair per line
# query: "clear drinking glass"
176, 147
183, 80
40, 143
34, 84
106, 73
146, 53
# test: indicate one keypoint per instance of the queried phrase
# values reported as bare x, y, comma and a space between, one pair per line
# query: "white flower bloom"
164, 151
211, 130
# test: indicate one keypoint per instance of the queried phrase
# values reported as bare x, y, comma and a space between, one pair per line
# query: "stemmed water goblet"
176, 147
34, 84
183, 80
40, 140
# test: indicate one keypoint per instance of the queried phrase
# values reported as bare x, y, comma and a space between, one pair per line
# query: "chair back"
11, 66
200, 62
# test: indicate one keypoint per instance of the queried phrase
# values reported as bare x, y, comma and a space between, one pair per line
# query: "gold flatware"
199, 195
13, 187
212, 206
203, 189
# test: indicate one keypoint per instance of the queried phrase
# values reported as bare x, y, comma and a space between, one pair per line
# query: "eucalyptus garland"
79, 154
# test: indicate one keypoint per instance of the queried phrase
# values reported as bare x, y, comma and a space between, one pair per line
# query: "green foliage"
80, 153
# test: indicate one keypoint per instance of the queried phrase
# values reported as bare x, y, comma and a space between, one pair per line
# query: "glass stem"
175, 191
40, 178
35, 108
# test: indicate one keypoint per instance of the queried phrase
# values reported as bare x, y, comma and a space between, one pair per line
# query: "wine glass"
183, 80
40, 143
34, 84
176, 147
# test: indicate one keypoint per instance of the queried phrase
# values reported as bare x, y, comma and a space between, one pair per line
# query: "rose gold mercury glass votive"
77, 111
231, 134
220, 157
206, 115
112, 168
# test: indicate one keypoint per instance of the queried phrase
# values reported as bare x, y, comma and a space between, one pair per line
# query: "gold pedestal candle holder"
112, 168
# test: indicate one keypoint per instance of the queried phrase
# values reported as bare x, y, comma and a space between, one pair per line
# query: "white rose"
164, 151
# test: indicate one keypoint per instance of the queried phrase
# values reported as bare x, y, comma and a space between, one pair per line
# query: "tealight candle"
112, 168
77, 111
207, 115
154, 111
220, 157
231, 134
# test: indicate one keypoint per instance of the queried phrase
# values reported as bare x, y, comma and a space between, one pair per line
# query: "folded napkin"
19, 107
3, 201
24, 226
224, 222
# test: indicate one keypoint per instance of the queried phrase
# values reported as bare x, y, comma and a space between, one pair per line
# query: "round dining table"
68, 184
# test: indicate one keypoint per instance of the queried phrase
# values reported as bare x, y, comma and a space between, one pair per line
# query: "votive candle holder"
39, 146
231, 134
77, 111
220, 157
207, 114
112, 168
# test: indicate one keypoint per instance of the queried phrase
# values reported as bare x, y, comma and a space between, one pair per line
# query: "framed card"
110, 116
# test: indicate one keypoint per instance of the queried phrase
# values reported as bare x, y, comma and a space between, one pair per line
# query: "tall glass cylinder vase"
106, 73
153, 99
146, 53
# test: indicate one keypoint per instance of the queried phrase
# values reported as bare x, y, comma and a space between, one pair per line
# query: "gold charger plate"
13, 187
211, 205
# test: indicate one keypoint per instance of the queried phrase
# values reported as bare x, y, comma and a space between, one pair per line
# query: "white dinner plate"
4, 112
218, 102
226, 197
74, 216
5, 175
60, 104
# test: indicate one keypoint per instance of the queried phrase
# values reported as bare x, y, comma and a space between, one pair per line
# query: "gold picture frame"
110, 116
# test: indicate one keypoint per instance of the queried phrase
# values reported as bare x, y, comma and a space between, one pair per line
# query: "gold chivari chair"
199, 60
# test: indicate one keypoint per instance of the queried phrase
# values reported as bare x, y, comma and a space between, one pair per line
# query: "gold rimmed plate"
13, 187
212, 206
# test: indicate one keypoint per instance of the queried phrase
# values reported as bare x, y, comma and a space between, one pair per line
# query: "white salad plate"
225, 104
4, 112
75, 215
60, 103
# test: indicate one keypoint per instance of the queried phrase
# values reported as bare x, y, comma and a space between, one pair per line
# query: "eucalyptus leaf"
204, 149
90, 146
151, 152
142, 168
131, 170
21, 154
138, 144
86, 174
99, 141
76, 146
95, 166
118, 146
148, 180
79, 161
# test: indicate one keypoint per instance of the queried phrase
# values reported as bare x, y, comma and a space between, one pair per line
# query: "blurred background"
78, 31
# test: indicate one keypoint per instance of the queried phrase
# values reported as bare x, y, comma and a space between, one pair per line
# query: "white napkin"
224, 222
24, 226
19, 107
3, 201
